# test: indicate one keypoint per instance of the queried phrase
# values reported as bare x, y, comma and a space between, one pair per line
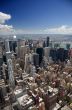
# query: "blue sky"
38, 15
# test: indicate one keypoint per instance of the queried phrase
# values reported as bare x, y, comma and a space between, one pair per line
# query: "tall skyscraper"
18, 47
47, 42
13, 45
47, 52
10, 73
36, 59
40, 51
26, 62
22, 51
7, 48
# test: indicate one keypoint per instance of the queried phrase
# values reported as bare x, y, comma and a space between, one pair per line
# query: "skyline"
35, 17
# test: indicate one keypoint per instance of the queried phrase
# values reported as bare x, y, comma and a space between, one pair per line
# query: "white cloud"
4, 28
4, 17
64, 29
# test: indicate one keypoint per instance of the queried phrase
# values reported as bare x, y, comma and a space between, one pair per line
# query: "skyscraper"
10, 73
36, 59
47, 52
7, 45
40, 51
47, 41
